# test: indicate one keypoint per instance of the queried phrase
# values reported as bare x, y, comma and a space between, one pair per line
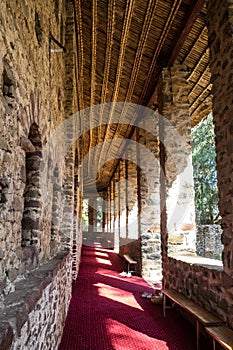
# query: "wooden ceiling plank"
109, 44
150, 13
93, 73
110, 33
193, 14
79, 24
172, 14
121, 57
195, 10
199, 79
208, 87
204, 57
199, 38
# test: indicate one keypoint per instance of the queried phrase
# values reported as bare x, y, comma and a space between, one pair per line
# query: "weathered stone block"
26, 144
6, 336
227, 281
3, 144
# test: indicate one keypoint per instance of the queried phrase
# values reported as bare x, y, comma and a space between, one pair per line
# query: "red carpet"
108, 312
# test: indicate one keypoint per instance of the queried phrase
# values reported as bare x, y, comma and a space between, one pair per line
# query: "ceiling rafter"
78, 17
193, 14
166, 29
93, 73
80, 58
208, 87
194, 11
124, 37
110, 33
123, 43
199, 79
109, 44
93, 50
200, 36
113, 63
203, 57
150, 12
182, 36
200, 106
171, 17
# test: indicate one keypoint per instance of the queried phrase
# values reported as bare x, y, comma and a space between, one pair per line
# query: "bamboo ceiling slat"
150, 11
124, 38
93, 74
173, 11
122, 47
78, 18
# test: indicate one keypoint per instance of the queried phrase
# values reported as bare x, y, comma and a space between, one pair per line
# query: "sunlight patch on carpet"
126, 338
115, 294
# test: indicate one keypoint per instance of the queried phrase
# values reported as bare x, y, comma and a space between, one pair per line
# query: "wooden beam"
206, 89
195, 9
174, 9
121, 59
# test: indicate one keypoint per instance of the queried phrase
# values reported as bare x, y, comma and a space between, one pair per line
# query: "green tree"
204, 168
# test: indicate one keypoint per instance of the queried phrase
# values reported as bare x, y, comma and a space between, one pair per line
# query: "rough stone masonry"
37, 93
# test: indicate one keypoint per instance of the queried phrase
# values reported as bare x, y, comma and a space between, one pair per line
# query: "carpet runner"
107, 311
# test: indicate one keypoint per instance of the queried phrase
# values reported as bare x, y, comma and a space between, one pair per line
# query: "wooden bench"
201, 315
223, 335
130, 262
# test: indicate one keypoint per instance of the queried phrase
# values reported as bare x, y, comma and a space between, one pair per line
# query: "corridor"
108, 312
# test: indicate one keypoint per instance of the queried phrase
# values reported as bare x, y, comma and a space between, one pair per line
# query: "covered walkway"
107, 311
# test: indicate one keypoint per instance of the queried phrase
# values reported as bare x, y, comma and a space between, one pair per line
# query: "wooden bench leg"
214, 344
197, 333
164, 305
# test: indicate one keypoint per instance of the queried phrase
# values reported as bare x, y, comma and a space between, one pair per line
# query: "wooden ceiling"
122, 46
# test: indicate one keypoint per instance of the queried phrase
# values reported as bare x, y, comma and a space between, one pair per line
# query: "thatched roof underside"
122, 47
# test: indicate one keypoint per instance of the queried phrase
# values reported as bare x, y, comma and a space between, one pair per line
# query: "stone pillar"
116, 210
132, 203
122, 198
92, 215
220, 31
119, 203
175, 137
56, 213
149, 198
105, 211
109, 209
94, 205
112, 206
68, 202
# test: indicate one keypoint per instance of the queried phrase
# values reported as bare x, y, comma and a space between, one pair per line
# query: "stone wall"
37, 201
149, 198
208, 242
220, 28
203, 281
33, 316
26, 109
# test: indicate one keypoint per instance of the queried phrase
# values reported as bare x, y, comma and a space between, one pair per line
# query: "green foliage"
204, 168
